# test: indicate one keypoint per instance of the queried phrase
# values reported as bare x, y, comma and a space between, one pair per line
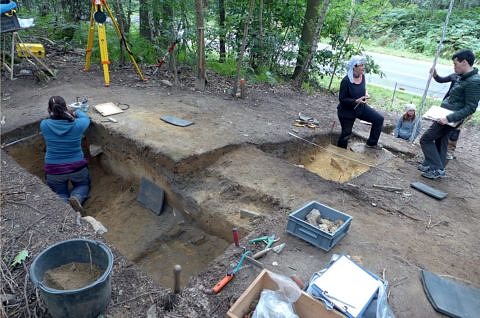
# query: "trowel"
276, 249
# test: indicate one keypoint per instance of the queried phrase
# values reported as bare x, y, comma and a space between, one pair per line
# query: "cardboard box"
305, 306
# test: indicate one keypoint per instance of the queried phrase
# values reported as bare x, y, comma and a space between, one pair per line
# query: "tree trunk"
123, 25
144, 20
257, 54
200, 82
312, 14
221, 23
242, 49
168, 24
340, 53
72, 9
260, 32
303, 72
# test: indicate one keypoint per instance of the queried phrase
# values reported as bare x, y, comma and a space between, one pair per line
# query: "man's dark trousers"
434, 143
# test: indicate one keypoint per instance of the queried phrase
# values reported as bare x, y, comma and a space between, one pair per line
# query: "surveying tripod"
97, 14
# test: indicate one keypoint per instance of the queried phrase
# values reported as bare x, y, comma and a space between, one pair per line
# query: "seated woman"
64, 158
353, 104
406, 124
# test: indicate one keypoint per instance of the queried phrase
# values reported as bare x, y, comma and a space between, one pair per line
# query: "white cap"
354, 61
410, 106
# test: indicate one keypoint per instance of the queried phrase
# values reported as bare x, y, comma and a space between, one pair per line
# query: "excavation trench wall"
184, 233
133, 160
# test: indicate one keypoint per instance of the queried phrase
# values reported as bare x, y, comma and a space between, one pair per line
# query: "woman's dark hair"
57, 108
406, 117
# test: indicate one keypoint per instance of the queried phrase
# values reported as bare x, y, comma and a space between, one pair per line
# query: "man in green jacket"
462, 101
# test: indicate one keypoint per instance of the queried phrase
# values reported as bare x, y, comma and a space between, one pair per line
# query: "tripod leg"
102, 39
91, 33
122, 38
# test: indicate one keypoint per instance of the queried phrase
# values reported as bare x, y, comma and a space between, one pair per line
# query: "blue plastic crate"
298, 226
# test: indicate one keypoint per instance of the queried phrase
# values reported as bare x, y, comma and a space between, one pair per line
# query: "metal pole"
176, 274
439, 49
12, 55
393, 95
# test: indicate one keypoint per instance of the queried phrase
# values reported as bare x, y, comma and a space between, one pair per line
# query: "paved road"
409, 75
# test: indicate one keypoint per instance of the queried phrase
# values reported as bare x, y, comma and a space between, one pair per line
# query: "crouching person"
405, 127
64, 158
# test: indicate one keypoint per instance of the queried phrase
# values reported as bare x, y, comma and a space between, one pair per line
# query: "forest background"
266, 41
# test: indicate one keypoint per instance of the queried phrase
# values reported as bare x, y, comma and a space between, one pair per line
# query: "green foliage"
143, 50
265, 76
419, 30
309, 88
20, 258
57, 28
184, 57
228, 68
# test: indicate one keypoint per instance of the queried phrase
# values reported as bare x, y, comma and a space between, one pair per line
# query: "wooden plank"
387, 188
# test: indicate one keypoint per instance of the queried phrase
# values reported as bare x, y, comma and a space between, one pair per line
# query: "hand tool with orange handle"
224, 281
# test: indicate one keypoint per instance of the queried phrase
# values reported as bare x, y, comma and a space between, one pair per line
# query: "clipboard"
347, 286
107, 109
437, 112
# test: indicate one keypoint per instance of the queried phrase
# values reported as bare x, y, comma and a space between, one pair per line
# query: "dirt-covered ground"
240, 154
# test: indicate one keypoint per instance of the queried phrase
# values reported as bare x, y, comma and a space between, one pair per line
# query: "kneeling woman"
405, 127
64, 158
353, 104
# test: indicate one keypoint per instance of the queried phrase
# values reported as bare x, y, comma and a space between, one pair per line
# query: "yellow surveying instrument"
97, 14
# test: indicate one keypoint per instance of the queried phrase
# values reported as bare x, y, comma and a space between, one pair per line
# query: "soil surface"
241, 164
72, 276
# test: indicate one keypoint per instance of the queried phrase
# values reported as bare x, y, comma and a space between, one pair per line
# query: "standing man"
453, 138
462, 101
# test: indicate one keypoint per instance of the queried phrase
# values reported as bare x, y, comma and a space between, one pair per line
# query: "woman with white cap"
353, 104
406, 124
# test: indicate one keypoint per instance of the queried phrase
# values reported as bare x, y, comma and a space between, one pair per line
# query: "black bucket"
88, 301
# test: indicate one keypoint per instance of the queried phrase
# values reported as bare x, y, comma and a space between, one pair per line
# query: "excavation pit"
154, 242
328, 161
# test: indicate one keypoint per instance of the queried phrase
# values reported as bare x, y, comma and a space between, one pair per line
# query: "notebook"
347, 286
437, 112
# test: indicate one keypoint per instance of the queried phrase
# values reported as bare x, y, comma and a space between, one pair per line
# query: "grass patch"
402, 53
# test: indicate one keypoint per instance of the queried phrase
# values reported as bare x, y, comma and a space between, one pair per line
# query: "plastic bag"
279, 303
383, 308
273, 304
287, 287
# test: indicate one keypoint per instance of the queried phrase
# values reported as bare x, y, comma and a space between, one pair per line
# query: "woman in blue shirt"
64, 158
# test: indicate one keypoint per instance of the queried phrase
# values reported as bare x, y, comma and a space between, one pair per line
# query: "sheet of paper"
108, 109
437, 112
348, 286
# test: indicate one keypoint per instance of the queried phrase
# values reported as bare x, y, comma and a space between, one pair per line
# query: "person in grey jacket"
462, 100
406, 124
